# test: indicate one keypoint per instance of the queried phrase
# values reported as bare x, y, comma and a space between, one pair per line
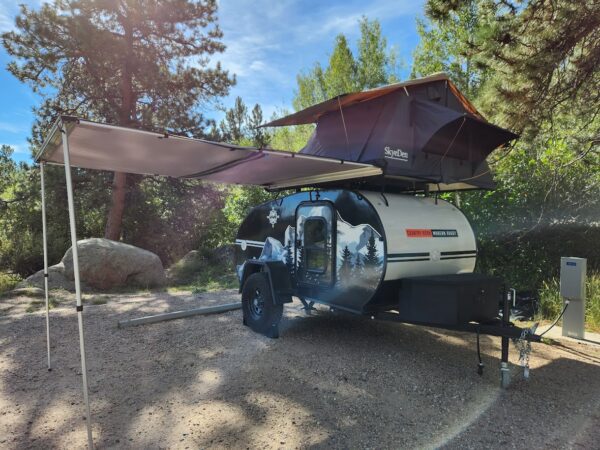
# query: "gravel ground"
329, 381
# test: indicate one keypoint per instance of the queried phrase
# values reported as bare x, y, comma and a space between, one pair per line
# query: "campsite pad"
329, 382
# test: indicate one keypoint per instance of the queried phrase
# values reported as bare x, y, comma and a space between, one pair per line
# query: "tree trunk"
115, 215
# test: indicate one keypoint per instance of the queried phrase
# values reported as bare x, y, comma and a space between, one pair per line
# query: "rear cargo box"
450, 299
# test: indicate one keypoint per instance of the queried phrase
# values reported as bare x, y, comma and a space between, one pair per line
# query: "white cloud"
7, 17
268, 42
15, 128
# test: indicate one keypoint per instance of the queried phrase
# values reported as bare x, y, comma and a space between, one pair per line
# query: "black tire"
260, 313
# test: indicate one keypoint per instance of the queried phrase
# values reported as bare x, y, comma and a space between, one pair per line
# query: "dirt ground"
329, 381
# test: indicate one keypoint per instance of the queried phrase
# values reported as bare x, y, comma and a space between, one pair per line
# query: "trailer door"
315, 264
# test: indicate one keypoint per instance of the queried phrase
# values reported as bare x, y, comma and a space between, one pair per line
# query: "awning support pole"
69, 182
45, 241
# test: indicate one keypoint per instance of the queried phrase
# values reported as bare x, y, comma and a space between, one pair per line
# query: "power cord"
558, 318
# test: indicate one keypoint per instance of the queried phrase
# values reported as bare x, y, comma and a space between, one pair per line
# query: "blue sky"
268, 43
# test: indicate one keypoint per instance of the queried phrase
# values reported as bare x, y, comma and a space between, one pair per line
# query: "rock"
56, 279
103, 264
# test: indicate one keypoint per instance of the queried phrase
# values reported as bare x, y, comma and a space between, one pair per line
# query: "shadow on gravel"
328, 382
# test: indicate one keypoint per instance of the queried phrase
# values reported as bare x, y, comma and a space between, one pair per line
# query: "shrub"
8, 281
551, 302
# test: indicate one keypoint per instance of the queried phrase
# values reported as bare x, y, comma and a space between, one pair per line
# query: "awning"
107, 147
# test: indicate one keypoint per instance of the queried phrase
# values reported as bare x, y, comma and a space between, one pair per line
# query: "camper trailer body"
364, 252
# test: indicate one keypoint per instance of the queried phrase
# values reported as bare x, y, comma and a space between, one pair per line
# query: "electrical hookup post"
572, 291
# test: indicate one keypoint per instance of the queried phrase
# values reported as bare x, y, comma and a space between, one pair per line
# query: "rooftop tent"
420, 130
107, 147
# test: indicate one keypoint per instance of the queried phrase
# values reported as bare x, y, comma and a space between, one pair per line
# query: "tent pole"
69, 182
45, 241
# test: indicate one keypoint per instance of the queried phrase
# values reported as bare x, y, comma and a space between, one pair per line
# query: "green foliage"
214, 279
36, 305
8, 281
200, 272
373, 66
543, 55
551, 303
446, 46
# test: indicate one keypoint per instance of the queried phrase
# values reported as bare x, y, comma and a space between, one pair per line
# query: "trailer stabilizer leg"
504, 375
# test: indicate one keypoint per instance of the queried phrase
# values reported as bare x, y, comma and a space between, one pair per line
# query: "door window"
315, 244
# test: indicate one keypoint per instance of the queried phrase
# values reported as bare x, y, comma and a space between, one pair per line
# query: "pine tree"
345, 270
371, 258
543, 56
341, 75
234, 126
358, 267
300, 263
135, 63
289, 258
374, 66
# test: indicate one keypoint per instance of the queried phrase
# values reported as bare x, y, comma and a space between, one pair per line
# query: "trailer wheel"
260, 312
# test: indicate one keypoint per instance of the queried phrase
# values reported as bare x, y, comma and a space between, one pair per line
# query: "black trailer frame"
503, 328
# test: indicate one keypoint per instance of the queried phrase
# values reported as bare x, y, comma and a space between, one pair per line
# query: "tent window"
315, 244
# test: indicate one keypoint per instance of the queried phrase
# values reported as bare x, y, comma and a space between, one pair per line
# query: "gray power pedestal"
572, 288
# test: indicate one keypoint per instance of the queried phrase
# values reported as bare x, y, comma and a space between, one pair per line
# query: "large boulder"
105, 264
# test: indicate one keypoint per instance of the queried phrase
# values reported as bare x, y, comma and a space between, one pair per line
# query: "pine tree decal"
301, 270
371, 258
289, 258
346, 264
358, 266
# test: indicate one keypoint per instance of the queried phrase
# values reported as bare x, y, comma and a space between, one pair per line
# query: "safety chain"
524, 347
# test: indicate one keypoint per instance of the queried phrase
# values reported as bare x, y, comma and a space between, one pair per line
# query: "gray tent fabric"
420, 130
108, 147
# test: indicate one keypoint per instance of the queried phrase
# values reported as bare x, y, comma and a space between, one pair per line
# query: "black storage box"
450, 299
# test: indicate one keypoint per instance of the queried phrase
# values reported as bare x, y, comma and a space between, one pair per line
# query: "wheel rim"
257, 303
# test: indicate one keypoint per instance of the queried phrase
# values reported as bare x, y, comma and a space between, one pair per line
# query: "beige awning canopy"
107, 147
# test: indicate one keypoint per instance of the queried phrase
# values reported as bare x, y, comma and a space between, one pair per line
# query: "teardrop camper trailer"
365, 231
381, 246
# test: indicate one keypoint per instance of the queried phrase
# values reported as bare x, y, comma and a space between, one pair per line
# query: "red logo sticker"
418, 233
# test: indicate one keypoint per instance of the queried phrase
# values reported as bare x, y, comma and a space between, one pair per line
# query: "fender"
278, 275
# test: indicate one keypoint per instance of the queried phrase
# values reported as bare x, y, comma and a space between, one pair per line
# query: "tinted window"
315, 244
